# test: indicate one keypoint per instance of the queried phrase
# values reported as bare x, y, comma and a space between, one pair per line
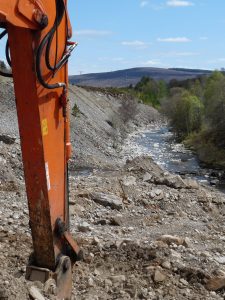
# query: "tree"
214, 100
128, 109
184, 111
150, 91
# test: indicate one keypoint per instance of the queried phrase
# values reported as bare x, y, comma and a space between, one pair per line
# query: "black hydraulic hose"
5, 74
60, 7
4, 32
59, 16
38, 67
7, 54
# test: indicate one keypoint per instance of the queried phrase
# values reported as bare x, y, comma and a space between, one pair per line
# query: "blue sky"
121, 34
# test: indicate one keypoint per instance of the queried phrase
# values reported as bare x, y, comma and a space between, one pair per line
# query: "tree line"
195, 109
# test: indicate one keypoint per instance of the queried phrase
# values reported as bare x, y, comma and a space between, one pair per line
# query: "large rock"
170, 239
191, 184
110, 200
174, 181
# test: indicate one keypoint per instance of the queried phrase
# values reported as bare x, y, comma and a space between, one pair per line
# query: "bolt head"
40, 18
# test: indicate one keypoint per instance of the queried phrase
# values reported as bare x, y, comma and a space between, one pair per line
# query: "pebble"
84, 227
220, 260
169, 239
117, 278
147, 177
35, 293
166, 264
91, 282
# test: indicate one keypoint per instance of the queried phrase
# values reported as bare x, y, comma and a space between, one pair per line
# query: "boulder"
174, 181
110, 200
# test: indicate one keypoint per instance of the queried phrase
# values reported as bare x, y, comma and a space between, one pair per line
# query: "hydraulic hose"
6, 74
7, 53
46, 44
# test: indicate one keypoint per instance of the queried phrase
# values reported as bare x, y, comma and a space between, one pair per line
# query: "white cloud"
91, 32
135, 44
153, 62
179, 3
174, 40
143, 3
186, 54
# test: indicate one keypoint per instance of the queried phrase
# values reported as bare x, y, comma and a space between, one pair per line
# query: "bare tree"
128, 109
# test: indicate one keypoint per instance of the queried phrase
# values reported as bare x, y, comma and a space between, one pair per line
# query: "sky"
121, 34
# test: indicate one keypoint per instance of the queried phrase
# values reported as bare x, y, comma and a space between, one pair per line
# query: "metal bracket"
30, 14
62, 277
34, 11
71, 247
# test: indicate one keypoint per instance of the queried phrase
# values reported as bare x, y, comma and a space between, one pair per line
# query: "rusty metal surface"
21, 13
32, 144
43, 132
71, 248
43, 123
64, 278
77, 252
38, 274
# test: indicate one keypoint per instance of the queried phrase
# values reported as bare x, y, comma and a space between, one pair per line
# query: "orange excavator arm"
38, 51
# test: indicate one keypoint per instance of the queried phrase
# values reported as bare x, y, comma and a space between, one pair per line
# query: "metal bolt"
44, 21
40, 18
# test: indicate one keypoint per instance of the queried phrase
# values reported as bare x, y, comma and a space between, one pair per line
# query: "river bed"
160, 144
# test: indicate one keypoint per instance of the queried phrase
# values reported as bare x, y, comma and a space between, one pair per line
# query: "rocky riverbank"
146, 233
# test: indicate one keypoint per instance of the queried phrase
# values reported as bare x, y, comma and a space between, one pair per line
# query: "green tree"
184, 111
150, 91
214, 101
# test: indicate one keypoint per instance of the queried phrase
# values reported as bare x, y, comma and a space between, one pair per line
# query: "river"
160, 144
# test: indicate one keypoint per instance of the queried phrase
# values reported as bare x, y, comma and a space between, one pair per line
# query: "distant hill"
124, 78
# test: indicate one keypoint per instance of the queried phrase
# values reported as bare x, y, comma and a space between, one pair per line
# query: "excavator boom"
38, 51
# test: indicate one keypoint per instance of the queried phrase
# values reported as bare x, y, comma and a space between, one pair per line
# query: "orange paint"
44, 128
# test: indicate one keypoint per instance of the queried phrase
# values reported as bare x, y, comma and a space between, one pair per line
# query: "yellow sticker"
44, 126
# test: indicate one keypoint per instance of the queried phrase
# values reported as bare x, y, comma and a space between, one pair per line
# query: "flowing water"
160, 144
